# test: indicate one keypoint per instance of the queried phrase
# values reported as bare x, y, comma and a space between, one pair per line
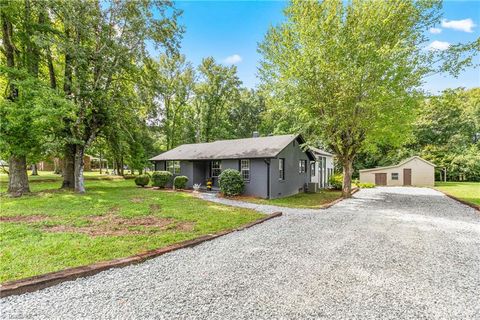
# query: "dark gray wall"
294, 181
258, 184
198, 171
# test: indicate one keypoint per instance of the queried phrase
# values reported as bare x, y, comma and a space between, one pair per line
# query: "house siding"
294, 181
325, 175
260, 175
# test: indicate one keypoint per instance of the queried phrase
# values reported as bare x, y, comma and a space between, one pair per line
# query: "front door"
407, 177
381, 179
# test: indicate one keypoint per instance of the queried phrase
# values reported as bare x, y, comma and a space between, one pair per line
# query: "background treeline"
446, 131
108, 79
79, 77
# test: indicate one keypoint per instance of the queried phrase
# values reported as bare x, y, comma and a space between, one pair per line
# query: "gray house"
272, 167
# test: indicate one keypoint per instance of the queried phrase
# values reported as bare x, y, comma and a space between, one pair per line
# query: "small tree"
231, 182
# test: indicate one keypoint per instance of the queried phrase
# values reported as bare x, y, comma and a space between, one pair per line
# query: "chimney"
255, 134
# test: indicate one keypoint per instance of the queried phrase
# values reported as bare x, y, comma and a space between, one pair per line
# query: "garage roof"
399, 165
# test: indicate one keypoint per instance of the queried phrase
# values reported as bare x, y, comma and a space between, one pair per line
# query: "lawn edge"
334, 202
35, 283
320, 207
470, 204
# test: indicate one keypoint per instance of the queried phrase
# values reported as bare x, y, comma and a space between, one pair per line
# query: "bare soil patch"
114, 225
154, 207
27, 219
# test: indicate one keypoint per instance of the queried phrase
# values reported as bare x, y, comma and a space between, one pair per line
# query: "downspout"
267, 161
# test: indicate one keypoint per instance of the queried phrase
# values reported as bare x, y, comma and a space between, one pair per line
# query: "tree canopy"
352, 72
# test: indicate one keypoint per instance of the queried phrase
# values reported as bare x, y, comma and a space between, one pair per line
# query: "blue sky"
229, 31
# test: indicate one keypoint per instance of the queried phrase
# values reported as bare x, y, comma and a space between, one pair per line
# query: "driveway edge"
334, 202
472, 205
35, 283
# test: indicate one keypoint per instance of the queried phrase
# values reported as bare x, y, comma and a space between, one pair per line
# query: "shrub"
142, 180
366, 185
336, 181
161, 178
179, 182
231, 182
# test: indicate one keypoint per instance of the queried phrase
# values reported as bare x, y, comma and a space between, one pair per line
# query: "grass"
45, 176
300, 200
467, 191
50, 229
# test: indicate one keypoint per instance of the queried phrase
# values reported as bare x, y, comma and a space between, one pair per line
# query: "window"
395, 176
216, 168
173, 166
302, 166
312, 168
281, 169
245, 169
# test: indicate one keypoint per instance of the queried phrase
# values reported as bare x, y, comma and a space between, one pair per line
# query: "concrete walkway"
388, 253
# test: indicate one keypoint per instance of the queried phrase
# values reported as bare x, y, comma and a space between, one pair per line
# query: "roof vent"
255, 134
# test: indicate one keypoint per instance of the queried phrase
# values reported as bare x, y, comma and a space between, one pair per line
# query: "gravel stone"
389, 253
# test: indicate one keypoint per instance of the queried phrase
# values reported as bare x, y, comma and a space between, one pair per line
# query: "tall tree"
352, 71
105, 45
215, 93
245, 116
170, 81
29, 109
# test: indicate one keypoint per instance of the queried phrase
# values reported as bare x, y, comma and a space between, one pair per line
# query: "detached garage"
413, 171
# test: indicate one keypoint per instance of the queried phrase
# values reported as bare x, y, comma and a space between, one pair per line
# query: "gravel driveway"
390, 253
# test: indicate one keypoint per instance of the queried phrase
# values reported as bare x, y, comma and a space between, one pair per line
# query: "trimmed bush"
231, 182
336, 181
366, 185
161, 178
179, 182
142, 180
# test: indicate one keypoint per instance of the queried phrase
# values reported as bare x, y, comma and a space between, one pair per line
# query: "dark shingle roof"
261, 147
317, 151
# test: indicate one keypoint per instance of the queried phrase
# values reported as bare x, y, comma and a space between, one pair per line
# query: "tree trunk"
34, 170
69, 167
17, 177
347, 178
56, 166
121, 167
101, 162
79, 182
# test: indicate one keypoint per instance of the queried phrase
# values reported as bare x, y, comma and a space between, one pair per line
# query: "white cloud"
233, 59
465, 25
435, 30
438, 45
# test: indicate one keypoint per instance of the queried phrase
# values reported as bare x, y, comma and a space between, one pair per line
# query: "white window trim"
173, 169
281, 163
245, 169
219, 168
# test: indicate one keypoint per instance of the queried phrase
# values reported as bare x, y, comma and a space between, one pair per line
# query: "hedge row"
161, 179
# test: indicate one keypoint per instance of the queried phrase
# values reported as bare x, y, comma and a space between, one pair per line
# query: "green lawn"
45, 176
50, 229
300, 200
468, 191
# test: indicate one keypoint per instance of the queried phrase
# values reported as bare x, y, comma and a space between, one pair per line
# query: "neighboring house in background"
322, 168
413, 171
89, 163
272, 166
